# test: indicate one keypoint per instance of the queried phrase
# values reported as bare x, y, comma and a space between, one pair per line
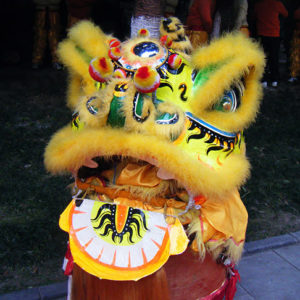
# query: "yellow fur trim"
220, 226
74, 90
85, 42
103, 66
68, 150
177, 30
174, 130
90, 38
73, 59
195, 228
89, 119
102, 104
147, 112
167, 131
236, 57
183, 46
215, 247
81, 83
228, 248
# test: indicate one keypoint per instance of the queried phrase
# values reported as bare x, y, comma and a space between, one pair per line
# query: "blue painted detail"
208, 126
167, 118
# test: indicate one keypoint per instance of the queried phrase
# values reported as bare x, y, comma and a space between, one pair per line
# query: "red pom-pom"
143, 72
120, 73
101, 69
114, 53
174, 61
143, 32
146, 79
166, 41
114, 43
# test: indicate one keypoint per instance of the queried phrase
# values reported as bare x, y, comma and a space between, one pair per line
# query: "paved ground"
270, 269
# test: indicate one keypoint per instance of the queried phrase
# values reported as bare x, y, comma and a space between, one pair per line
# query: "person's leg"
266, 46
53, 36
274, 59
295, 57
40, 35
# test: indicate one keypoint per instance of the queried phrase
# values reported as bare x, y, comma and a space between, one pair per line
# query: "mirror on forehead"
146, 49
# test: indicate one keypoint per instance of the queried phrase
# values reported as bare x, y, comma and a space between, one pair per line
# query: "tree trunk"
147, 15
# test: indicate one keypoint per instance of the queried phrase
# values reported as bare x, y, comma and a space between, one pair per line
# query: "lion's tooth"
90, 163
163, 174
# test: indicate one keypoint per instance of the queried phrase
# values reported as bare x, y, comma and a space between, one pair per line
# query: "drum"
182, 276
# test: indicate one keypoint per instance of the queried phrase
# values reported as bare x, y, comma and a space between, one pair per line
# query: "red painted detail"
79, 229
99, 256
129, 261
85, 246
156, 243
162, 228
114, 259
77, 212
121, 217
144, 256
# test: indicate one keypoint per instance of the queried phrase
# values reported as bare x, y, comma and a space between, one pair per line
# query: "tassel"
68, 262
234, 276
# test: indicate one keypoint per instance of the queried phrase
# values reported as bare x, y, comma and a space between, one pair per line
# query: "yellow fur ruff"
239, 58
68, 150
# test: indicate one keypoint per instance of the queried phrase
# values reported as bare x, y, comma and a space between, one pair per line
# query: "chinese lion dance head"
156, 147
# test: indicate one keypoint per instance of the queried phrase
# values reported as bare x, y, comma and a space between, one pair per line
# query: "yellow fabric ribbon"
137, 175
225, 218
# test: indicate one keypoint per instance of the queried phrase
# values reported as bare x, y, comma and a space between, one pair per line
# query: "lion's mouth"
131, 182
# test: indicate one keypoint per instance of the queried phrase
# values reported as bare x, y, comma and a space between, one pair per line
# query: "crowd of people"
269, 21
274, 23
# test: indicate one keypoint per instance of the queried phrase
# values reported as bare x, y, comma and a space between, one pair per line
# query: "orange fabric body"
134, 174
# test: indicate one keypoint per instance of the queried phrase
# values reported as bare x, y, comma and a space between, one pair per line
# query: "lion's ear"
84, 42
227, 88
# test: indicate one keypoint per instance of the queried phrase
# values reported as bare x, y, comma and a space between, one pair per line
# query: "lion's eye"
227, 103
231, 99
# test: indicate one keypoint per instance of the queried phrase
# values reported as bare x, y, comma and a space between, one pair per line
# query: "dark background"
17, 20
